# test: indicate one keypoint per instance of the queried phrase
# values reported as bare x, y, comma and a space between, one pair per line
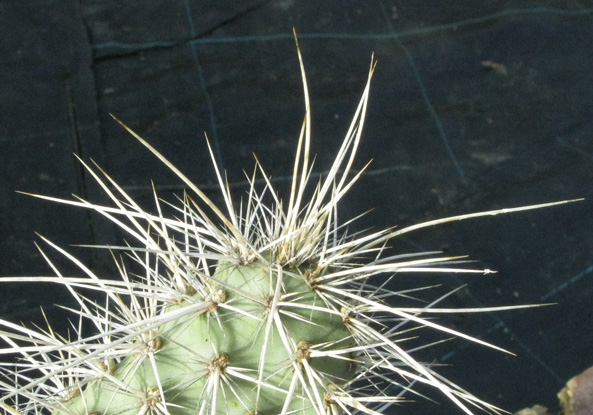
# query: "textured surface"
473, 107
577, 395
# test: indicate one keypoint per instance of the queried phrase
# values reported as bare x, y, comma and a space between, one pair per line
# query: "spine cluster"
249, 308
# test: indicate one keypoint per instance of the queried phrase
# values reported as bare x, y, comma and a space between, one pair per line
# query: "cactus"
255, 308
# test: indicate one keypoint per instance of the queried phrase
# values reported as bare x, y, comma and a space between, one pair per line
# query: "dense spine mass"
252, 308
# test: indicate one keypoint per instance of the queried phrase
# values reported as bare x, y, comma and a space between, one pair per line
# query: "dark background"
474, 106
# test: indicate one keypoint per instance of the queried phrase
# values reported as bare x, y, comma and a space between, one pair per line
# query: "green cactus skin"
268, 309
190, 350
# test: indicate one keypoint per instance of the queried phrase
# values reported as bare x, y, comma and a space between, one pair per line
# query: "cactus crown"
248, 309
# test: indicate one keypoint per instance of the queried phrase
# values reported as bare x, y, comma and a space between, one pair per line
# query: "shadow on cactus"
251, 308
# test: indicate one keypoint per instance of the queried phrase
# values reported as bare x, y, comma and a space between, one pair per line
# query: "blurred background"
474, 106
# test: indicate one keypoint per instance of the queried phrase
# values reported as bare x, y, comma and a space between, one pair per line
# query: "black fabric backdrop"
474, 106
